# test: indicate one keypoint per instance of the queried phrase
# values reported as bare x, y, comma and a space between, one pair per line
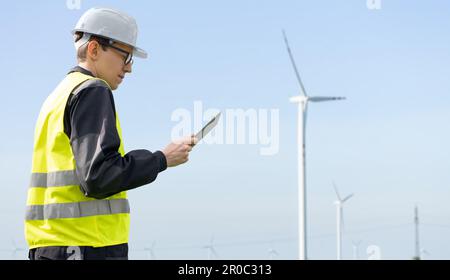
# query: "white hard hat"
109, 23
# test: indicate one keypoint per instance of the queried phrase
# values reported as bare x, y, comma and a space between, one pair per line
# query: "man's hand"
178, 152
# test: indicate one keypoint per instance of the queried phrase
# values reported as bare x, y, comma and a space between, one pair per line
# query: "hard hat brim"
138, 52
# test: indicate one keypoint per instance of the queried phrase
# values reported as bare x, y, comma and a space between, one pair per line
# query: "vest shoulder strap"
88, 79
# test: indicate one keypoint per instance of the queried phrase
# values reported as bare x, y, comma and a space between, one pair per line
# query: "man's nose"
128, 68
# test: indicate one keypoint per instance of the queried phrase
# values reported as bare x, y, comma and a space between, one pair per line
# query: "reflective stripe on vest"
58, 213
54, 179
77, 210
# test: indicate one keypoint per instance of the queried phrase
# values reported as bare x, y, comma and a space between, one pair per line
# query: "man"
77, 205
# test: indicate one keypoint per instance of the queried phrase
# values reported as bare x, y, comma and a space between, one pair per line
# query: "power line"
436, 225
378, 228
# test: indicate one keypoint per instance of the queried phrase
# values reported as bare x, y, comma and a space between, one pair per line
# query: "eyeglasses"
128, 58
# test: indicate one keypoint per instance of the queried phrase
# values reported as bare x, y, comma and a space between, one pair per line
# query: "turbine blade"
324, 98
336, 191
214, 252
347, 197
293, 64
423, 251
342, 219
273, 253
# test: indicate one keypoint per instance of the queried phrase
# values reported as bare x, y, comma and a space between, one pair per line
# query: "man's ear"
93, 50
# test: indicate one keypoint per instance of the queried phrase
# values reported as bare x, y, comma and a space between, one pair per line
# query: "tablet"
208, 127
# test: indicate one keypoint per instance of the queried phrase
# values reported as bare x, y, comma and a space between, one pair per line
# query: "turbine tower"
355, 246
416, 228
339, 220
302, 100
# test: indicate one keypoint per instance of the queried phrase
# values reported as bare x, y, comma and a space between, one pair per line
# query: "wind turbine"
272, 252
151, 251
423, 252
15, 249
211, 251
340, 220
355, 245
302, 100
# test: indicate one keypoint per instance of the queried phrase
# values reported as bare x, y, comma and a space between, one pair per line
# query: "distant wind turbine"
302, 100
423, 252
340, 220
211, 251
15, 249
151, 251
272, 252
355, 245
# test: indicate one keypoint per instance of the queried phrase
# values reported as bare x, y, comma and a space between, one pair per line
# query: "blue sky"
387, 143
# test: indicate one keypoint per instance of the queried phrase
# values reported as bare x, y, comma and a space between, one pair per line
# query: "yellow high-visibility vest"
58, 213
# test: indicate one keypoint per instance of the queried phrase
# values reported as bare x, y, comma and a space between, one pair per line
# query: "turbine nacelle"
339, 199
299, 99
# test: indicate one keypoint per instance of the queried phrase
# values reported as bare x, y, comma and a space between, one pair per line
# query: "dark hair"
82, 51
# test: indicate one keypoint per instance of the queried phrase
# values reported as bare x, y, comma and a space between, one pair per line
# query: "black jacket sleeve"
91, 127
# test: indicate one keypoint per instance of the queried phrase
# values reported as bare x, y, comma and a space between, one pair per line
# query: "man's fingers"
187, 148
191, 141
194, 140
187, 141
